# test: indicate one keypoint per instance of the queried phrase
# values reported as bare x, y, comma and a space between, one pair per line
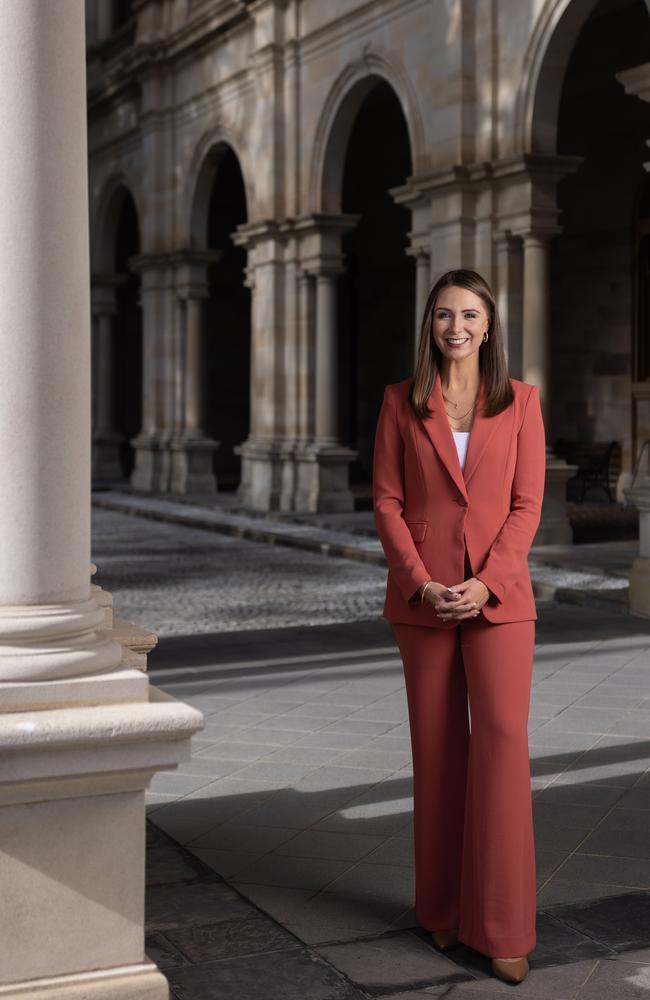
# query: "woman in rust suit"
458, 482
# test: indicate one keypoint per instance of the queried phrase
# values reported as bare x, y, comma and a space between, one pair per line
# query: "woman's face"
460, 320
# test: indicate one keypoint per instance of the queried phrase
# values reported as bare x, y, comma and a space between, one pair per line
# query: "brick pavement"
298, 793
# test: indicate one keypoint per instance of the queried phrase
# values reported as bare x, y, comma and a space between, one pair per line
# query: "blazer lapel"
438, 428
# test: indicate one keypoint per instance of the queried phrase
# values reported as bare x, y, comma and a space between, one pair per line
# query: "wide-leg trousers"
474, 842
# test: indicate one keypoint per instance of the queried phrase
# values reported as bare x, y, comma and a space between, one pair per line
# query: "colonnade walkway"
281, 855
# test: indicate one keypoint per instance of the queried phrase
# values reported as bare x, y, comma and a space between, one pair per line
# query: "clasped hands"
461, 600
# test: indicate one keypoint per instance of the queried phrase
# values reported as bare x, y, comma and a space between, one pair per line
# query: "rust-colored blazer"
428, 510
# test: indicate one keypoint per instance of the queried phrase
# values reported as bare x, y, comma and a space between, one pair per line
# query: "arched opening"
117, 340
219, 208
377, 289
127, 383
593, 271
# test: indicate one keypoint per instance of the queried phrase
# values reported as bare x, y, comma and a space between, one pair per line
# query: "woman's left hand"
474, 595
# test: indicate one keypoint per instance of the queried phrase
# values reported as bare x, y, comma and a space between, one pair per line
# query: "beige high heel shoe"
444, 940
510, 970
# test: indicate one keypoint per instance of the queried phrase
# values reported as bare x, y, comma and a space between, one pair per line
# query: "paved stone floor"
290, 869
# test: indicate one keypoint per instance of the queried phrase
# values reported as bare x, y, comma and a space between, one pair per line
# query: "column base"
267, 475
152, 464
122, 686
106, 461
640, 587
555, 527
72, 827
191, 465
130, 982
322, 478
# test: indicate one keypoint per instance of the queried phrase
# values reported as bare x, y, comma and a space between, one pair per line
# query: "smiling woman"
460, 456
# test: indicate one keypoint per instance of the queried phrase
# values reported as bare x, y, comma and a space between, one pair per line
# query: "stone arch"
337, 118
202, 171
106, 220
544, 65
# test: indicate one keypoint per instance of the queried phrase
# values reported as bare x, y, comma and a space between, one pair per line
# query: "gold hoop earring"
485, 337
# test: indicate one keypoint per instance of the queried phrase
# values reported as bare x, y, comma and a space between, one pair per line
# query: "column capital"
539, 237
191, 268
419, 252
320, 241
103, 293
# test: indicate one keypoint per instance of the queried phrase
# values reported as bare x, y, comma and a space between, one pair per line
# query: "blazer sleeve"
404, 562
508, 555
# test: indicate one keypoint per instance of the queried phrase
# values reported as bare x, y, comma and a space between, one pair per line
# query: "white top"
461, 439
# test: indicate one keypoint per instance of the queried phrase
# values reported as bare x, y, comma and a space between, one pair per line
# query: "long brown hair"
492, 361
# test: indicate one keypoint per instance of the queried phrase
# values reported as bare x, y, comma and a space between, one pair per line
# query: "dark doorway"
377, 290
593, 265
227, 318
127, 384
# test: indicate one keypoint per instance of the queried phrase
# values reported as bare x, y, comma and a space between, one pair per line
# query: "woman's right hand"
443, 601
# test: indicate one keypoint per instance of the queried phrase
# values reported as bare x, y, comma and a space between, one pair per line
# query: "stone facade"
301, 173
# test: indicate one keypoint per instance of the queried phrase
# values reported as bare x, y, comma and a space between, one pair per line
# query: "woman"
458, 481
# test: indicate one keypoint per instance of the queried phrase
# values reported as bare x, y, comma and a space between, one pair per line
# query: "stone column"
81, 734
192, 450
322, 463
410, 196
106, 463
554, 526
326, 358
422, 289
638, 494
305, 362
509, 254
267, 453
537, 315
151, 472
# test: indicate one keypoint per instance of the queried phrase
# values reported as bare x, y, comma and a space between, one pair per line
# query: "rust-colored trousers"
474, 843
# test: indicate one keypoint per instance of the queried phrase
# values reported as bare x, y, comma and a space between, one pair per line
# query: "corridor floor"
289, 868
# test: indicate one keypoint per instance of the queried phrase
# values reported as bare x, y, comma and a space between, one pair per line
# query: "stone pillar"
106, 463
638, 494
81, 734
326, 358
554, 526
537, 315
151, 472
322, 463
419, 205
509, 266
192, 450
422, 289
305, 363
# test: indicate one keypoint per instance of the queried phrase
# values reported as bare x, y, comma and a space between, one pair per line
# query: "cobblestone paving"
176, 580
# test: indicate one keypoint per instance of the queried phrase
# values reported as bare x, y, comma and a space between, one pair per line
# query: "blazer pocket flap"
418, 530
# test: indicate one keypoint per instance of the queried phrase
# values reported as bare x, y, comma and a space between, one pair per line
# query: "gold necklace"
453, 417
